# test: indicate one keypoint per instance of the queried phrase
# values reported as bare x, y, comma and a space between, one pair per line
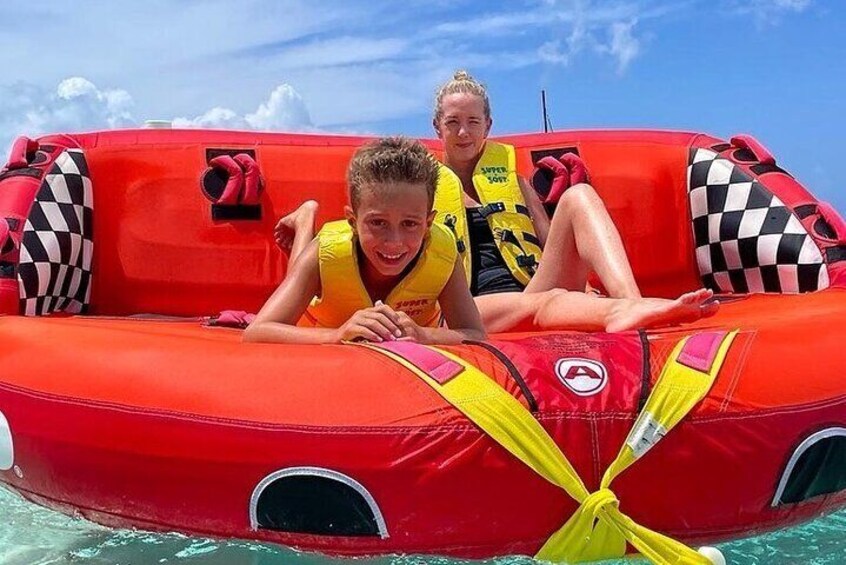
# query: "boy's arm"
277, 319
459, 310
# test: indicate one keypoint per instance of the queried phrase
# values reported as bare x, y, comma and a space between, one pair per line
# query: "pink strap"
20, 149
252, 179
560, 178
749, 143
236, 178
700, 350
434, 364
233, 319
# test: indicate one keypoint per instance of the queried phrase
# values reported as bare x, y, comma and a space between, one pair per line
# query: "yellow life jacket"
343, 293
503, 206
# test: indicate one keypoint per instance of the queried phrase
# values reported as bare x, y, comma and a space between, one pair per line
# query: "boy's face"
391, 222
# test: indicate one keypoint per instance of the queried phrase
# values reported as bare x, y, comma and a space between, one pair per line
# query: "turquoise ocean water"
31, 535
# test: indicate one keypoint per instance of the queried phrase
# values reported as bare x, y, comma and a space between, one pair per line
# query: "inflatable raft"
121, 403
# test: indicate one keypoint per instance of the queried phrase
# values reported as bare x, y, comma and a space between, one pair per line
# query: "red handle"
20, 149
252, 179
236, 178
833, 219
560, 178
576, 167
761, 153
6, 243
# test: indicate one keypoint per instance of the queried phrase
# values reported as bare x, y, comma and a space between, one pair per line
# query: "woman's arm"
459, 310
277, 319
536, 209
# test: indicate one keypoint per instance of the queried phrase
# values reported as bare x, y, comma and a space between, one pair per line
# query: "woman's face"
463, 127
391, 223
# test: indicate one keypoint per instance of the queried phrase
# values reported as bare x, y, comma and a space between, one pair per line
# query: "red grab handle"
20, 148
560, 178
236, 178
252, 179
5, 239
576, 167
567, 170
762, 154
833, 219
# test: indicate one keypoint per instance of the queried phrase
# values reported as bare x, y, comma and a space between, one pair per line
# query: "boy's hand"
410, 330
378, 323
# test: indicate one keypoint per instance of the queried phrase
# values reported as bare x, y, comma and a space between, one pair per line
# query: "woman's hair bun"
461, 83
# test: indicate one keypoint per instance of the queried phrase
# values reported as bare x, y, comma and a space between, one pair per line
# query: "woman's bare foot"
630, 314
300, 219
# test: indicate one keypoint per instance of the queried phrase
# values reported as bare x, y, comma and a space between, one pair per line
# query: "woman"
480, 193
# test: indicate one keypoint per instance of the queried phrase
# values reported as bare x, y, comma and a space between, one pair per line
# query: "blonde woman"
534, 273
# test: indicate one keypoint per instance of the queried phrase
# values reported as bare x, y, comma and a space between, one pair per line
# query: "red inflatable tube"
189, 429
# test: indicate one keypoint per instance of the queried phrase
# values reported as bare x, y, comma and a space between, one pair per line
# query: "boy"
386, 272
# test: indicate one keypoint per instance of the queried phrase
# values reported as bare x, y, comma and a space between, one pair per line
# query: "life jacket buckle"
450, 221
491, 208
527, 262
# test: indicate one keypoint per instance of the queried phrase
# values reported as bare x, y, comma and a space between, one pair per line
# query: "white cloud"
285, 110
359, 65
216, 118
79, 102
795, 5
769, 12
621, 44
624, 46
76, 104
564, 30
338, 51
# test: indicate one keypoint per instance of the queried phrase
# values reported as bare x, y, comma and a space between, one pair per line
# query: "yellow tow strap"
597, 530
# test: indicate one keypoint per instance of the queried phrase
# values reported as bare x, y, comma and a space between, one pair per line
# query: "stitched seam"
594, 439
233, 422
772, 412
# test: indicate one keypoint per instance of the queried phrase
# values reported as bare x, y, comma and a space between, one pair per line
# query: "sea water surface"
31, 535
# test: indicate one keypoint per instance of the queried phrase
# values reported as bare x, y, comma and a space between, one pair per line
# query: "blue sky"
771, 68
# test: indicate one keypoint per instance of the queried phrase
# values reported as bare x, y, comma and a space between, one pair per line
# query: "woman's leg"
294, 231
558, 309
582, 238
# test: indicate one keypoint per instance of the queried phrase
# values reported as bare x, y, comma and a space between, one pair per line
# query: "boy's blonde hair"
391, 160
461, 83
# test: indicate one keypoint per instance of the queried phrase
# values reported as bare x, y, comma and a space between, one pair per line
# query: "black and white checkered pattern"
746, 239
55, 265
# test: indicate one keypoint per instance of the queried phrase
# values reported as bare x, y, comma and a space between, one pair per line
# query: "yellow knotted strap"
597, 530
